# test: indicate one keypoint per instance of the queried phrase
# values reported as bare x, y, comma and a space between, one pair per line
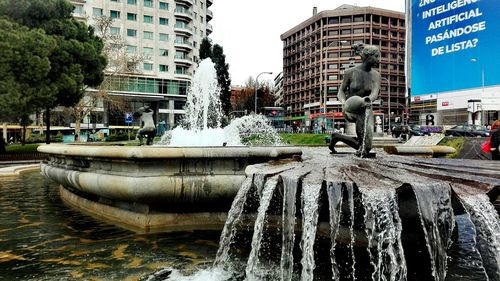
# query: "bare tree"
121, 64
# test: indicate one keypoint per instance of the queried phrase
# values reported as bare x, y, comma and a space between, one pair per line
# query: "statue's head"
370, 54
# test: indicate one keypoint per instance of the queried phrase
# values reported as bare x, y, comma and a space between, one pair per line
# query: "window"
148, 3
114, 30
114, 14
163, 52
163, 21
163, 68
115, 1
332, 66
332, 77
148, 35
163, 37
345, 20
333, 32
163, 6
358, 30
359, 18
148, 66
147, 51
333, 20
201, 19
78, 10
131, 16
132, 2
148, 19
345, 31
96, 12
131, 49
131, 32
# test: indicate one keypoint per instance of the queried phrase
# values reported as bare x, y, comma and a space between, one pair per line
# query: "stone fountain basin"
167, 177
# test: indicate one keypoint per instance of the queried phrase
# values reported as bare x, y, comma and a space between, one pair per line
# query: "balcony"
183, 44
210, 15
209, 29
181, 28
188, 2
209, 3
183, 13
183, 74
183, 60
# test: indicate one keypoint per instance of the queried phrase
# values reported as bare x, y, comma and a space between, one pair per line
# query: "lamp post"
388, 103
482, 87
257, 86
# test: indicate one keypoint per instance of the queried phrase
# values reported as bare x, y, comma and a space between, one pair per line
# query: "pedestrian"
323, 128
495, 140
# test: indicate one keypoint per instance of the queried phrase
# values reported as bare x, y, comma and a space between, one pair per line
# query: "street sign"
128, 118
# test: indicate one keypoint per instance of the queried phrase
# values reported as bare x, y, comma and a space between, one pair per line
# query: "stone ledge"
144, 223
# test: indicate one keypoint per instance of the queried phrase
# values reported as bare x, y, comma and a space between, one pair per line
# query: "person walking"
495, 140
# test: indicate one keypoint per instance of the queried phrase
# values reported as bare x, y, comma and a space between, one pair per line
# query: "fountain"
186, 182
323, 218
345, 218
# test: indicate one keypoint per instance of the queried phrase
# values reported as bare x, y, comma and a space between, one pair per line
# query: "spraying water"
201, 125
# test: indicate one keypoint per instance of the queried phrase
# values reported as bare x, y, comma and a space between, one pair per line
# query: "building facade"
317, 51
167, 35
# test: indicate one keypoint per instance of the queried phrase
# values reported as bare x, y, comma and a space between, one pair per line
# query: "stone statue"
359, 89
148, 128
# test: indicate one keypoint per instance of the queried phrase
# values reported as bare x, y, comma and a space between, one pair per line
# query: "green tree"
223, 78
24, 67
205, 48
76, 62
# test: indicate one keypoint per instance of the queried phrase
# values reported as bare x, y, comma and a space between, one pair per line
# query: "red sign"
445, 103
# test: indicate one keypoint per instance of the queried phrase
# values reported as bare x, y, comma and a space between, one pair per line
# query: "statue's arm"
343, 88
376, 87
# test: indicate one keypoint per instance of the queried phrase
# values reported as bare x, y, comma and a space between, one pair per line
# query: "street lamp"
256, 87
388, 103
482, 84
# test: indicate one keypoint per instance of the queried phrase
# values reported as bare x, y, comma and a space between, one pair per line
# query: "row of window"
146, 3
149, 67
145, 34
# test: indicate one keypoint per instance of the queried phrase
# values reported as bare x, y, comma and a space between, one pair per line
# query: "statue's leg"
336, 137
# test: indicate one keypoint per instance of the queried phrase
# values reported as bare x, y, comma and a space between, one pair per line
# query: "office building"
317, 51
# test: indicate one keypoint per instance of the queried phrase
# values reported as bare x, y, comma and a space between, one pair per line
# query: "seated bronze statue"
359, 89
148, 128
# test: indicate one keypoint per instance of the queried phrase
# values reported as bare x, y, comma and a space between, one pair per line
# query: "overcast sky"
249, 30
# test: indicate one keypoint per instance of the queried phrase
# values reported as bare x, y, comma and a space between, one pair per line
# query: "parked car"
468, 131
411, 130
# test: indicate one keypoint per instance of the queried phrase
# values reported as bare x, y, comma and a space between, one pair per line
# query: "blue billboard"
453, 43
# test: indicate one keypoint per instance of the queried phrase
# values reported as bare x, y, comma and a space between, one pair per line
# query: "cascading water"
487, 226
290, 185
383, 230
310, 212
436, 215
334, 192
373, 230
201, 125
222, 258
252, 269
